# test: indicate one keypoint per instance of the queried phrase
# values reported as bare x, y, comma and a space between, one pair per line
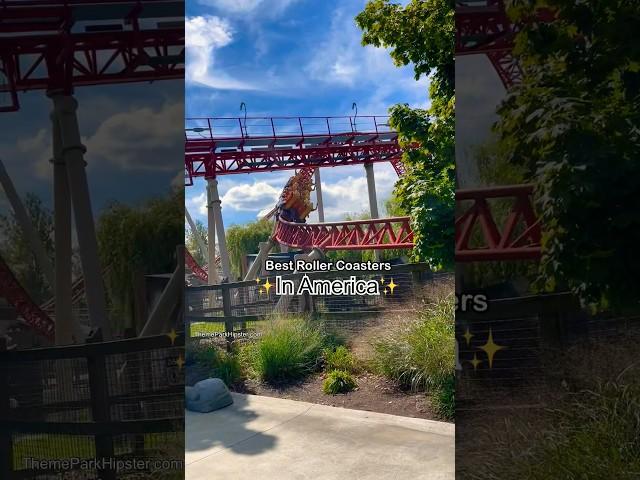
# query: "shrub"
219, 364
288, 349
421, 353
338, 381
340, 358
443, 398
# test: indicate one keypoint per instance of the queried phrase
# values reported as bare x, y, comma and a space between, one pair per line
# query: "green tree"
572, 124
423, 34
192, 243
245, 239
17, 251
138, 239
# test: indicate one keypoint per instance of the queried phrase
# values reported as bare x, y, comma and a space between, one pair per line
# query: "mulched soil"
374, 394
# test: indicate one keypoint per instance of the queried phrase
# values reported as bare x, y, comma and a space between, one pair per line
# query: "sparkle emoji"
391, 286
490, 348
468, 336
172, 336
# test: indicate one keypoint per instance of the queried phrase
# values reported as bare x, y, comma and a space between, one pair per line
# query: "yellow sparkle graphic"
172, 336
392, 286
490, 348
386, 291
261, 291
258, 280
468, 336
180, 362
382, 280
475, 362
267, 286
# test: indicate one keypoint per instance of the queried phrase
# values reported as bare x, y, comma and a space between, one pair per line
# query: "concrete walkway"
263, 438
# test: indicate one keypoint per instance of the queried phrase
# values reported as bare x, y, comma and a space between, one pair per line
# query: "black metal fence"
526, 335
234, 308
113, 410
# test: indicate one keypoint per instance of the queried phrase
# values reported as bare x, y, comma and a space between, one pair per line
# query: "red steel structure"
228, 146
17, 296
375, 234
59, 45
478, 236
483, 27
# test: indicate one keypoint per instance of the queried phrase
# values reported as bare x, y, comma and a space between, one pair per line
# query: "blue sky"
289, 57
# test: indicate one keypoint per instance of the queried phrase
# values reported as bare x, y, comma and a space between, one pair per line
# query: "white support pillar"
199, 240
214, 201
263, 253
62, 238
65, 108
319, 204
29, 231
211, 242
373, 200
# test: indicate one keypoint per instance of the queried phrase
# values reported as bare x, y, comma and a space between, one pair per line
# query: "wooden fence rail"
106, 374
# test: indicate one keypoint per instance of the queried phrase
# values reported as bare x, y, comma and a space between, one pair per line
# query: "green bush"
443, 398
338, 381
220, 364
288, 349
592, 434
420, 354
340, 358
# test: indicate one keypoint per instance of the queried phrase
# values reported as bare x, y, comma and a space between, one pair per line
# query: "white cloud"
203, 35
244, 7
342, 61
349, 195
257, 196
37, 148
140, 139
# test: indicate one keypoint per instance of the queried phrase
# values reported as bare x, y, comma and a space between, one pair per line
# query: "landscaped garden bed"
402, 364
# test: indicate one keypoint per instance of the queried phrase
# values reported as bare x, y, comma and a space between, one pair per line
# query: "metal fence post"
6, 439
226, 311
98, 386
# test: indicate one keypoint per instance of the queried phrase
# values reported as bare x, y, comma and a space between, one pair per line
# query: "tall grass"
595, 435
288, 349
217, 363
420, 353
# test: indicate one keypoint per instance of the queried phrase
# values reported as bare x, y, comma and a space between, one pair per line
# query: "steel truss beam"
42, 46
229, 163
375, 234
485, 28
478, 236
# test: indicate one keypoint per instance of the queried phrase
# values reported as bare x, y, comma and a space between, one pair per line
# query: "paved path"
263, 438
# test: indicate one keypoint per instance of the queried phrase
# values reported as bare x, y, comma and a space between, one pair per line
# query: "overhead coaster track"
483, 27
59, 45
227, 146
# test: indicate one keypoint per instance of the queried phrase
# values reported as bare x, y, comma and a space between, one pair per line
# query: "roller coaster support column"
263, 253
319, 203
214, 201
62, 241
373, 200
212, 272
64, 111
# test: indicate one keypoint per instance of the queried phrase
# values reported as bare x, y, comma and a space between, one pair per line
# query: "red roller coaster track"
227, 146
479, 237
17, 297
46, 44
483, 27
376, 234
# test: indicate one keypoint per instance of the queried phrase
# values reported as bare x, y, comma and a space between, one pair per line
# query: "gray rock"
207, 395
